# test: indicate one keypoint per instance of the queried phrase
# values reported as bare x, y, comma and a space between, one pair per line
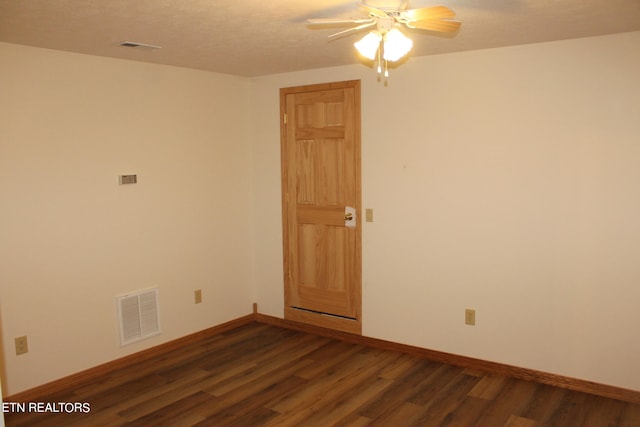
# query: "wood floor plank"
442, 378
105, 399
327, 357
348, 402
178, 411
399, 367
401, 390
249, 349
305, 405
398, 415
571, 409
166, 395
442, 404
512, 400
321, 385
106, 405
488, 387
257, 417
255, 393
515, 421
265, 375
231, 409
607, 413
467, 413
630, 416
544, 403
355, 421
138, 370
270, 361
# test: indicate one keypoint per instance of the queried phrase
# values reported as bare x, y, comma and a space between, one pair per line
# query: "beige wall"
502, 180
71, 238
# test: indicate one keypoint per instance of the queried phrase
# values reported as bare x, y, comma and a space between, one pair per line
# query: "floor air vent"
138, 316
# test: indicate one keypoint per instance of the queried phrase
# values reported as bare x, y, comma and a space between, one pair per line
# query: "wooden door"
321, 191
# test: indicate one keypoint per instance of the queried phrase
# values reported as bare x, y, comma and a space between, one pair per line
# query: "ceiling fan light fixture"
369, 44
386, 42
396, 45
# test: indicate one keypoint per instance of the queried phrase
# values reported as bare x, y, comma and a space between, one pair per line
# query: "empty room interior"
497, 198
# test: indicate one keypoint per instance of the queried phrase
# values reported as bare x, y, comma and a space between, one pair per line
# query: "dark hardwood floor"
263, 375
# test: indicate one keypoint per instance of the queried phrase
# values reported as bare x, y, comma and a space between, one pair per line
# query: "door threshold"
324, 320
322, 313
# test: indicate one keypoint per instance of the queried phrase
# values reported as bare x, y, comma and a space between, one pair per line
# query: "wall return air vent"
138, 315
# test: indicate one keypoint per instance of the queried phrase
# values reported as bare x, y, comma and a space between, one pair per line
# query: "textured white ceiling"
261, 37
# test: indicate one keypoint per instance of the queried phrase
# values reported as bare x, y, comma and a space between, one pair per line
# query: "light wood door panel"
320, 178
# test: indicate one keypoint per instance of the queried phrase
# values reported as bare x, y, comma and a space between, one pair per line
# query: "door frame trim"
353, 326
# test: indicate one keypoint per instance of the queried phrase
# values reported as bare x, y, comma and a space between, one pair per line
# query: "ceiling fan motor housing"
384, 25
387, 5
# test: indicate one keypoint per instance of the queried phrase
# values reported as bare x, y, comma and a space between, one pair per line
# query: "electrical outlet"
469, 317
198, 295
21, 345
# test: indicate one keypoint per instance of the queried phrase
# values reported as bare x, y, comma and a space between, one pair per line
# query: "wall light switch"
368, 215
469, 317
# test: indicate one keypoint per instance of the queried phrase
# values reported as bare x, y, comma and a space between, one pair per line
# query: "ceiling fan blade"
436, 25
338, 21
352, 30
434, 12
373, 11
404, 4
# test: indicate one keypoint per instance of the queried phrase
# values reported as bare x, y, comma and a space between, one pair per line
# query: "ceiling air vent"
138, 316
140, 45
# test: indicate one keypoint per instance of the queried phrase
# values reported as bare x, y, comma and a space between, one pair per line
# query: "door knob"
350, 217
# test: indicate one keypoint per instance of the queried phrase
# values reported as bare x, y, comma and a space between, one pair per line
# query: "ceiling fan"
385, 41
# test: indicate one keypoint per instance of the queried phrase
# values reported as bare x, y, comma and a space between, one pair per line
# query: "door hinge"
285, 118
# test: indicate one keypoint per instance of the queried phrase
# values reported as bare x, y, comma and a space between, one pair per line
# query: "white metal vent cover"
138, 315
